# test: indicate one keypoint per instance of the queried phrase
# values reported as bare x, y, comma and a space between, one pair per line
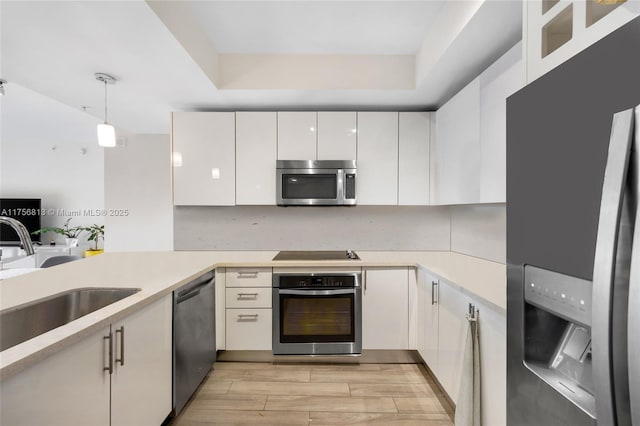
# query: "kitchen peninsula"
157, 274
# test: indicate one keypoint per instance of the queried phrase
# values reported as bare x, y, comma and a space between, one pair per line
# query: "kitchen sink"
27, 321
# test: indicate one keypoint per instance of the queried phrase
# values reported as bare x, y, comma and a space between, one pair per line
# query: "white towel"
468, 406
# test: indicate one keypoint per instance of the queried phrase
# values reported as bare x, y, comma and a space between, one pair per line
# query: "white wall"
138, 181
41, 157
480, 230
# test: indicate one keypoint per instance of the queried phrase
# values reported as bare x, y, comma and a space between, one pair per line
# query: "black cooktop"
317, 255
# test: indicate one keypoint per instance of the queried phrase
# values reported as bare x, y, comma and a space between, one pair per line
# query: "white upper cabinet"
497, 83
204, 161
337, 135
455, 152
256, 150
468, 152
297, 135
377, 182
413, 171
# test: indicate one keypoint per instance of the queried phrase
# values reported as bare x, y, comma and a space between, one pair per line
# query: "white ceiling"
54, 48
317, 27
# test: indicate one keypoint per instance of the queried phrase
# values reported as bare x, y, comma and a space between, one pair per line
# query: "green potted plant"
70, 234
95, 233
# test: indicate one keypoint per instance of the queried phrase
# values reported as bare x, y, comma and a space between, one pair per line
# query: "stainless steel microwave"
316, 182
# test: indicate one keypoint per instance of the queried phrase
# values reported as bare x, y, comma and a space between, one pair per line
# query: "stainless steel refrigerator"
573, 259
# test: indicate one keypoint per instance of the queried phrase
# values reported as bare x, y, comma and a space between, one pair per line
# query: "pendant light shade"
106, 132
106, 135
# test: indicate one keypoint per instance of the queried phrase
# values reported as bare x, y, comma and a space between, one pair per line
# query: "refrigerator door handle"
633, 324
615, 177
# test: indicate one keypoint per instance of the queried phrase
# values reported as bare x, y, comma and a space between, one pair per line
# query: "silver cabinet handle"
247, 274
241, 316
365, 281
241, 295
109, 368
121, 331
615, 176
434, 286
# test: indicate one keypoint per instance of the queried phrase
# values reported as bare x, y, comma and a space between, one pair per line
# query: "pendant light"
106, 132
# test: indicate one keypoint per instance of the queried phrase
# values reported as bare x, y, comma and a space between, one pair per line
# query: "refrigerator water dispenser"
557, 333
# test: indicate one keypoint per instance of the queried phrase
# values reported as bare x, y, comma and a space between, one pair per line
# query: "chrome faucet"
22, 232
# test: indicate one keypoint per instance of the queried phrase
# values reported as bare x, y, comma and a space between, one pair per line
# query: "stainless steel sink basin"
27, 321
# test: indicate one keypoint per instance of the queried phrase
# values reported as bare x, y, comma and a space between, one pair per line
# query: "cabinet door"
503, 78
67, 388
428, 319
141, 392
377, 182
204, 158
413, 150
385, 309
256, 150
337, 135
247, 297
249, 329
492, 327
452, 332
297, 135
455, 151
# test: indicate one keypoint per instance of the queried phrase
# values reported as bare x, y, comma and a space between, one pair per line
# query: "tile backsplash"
311, 228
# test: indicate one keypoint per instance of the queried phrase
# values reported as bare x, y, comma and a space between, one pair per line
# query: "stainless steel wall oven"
317, 313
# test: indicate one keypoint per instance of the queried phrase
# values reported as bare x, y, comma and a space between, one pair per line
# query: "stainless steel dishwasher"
194, 337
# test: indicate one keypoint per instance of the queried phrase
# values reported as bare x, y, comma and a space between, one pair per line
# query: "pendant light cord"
105, 101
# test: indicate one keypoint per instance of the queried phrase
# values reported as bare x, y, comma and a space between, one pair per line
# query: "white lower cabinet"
385, 309
72, 386
248, 329
248, 309
452, 331
444, 355
141, 384
67, 388
427, 329
493, 364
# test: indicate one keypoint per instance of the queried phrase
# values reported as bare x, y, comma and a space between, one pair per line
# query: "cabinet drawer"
248, 329
248, 277
247, 297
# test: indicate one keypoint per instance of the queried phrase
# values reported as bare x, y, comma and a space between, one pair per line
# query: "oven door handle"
317, 292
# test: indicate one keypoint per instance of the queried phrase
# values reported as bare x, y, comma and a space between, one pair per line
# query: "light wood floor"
317, 394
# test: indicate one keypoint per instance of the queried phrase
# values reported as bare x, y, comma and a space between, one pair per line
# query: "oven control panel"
317, 281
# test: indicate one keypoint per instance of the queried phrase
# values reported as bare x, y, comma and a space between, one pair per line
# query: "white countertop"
159, 273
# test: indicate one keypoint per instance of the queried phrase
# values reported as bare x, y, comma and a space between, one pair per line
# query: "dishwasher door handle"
192, 292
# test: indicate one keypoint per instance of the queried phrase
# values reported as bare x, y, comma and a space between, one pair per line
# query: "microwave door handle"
633, 323
605, 260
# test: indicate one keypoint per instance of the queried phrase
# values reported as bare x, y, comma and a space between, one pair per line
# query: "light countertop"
159, 273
